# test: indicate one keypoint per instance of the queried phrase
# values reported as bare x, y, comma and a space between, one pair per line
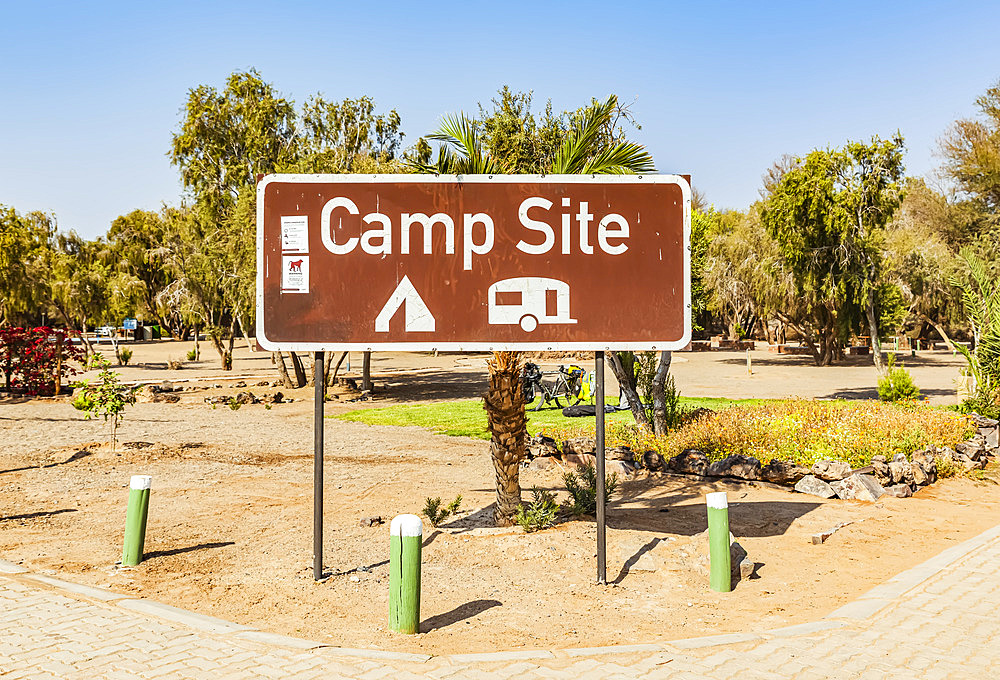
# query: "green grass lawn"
466, 418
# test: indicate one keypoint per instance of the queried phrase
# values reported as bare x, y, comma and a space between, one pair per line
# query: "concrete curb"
500, 656
11, 568
77, 589
209, 624
864, 607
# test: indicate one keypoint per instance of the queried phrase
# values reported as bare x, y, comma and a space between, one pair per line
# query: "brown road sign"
474, 262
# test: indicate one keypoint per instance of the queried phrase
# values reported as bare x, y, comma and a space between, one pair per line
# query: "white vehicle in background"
529, 301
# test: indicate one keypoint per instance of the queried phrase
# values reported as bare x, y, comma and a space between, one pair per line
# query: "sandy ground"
230, 517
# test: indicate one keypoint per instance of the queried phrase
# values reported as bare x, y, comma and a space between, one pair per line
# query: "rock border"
901, 477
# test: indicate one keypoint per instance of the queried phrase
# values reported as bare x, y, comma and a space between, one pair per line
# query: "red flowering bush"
35, 360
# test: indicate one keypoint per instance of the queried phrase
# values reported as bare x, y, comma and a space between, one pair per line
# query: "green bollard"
135, 519
405, 538
720, 579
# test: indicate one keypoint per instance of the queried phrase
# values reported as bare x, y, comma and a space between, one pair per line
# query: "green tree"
226, 139
971, 152
828, 213
136, 248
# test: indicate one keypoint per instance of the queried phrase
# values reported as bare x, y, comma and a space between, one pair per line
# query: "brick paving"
935, 622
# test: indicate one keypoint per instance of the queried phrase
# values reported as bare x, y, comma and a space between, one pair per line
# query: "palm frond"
625, 158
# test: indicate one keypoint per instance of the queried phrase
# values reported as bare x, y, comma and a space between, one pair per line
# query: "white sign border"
422, 346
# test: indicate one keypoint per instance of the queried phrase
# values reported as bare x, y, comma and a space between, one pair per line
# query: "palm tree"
591, 147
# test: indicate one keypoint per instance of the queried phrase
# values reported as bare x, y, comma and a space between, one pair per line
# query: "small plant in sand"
107, 397
192, 355
897, 384
582, 487
946, 467
233, 404
124, 355
540, 513
437, 514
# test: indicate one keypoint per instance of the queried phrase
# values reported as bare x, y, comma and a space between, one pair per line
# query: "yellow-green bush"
799, 430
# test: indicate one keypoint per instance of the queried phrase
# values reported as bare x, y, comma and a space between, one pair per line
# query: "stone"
618, 467
972, 448
895, 472
908, 477
240, 384
925, 459
542, 463
275, 398
737, 558
920, 477
151, 394
815, 486
991, 437
981, 421
579, 446
899, 458
820, 538
651, 460
739, 466
898, 490
623, 453
880, 470
747, 569
858, 487
245, 398
783, 472
542, 446
690, 462
262, 383
371, 521
831, 470
579, 460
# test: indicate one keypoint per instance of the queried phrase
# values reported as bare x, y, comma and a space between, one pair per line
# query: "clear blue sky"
91, 92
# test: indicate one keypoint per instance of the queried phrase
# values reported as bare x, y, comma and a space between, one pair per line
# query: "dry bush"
801, 431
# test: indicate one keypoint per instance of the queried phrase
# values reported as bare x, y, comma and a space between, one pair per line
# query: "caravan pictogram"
529, 301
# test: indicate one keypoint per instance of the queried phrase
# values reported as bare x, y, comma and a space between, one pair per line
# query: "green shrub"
124, 355
436, 514
192, 355
540, 513
897, 384
582, 488
233, 404
83, 402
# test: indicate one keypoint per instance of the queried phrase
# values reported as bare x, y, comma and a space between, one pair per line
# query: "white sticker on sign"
295, 274
295, 234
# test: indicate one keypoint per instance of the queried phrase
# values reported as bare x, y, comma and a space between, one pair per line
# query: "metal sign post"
602, 576
319, 377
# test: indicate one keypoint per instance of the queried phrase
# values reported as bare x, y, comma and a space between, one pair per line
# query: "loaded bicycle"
567, 382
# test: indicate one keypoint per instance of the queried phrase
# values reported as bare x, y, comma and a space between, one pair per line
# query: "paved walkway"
937, 620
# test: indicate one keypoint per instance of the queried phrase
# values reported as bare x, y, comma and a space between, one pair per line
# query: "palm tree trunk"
504, 404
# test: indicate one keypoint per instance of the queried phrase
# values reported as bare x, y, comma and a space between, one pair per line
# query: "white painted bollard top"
406, 525
717, 500
140, 482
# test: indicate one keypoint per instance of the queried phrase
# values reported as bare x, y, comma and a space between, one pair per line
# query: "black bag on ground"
580, 410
